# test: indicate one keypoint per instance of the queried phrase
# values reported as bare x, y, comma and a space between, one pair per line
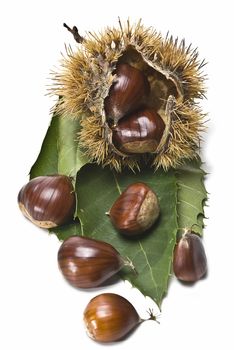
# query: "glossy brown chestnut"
127, 93
140, 132
189, 262
87, 263
48, 201
135, 210
109, 317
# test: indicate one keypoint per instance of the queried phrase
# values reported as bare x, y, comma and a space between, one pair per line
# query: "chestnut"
127, 93
135, 210
109, 317
189, 263
140, 132
48, 201
87, 263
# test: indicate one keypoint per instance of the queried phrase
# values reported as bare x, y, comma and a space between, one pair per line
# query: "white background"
38, 309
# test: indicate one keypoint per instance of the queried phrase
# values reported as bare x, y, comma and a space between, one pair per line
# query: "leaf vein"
193, 206
190, 188
150, 268
117, 184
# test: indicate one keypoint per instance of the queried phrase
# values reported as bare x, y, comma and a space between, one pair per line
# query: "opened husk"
177, 83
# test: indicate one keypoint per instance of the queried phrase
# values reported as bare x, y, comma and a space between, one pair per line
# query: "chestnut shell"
109, 317
139, 132
48, 201
86, 262
127, 93
135, 210
189, 263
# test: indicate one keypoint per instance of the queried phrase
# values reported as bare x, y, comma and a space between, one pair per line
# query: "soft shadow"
116, 342
111, 281
191, 284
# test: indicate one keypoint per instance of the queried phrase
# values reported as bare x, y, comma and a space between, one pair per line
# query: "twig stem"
78, 38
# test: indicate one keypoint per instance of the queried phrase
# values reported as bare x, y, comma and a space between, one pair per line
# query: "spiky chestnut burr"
174, 73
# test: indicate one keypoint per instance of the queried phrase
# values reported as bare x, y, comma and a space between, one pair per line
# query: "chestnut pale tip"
43, 224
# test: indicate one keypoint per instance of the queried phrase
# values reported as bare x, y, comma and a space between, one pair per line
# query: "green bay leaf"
66, 231
70, 156
181, 193
192, 196
47, 160
60, 152
151, 254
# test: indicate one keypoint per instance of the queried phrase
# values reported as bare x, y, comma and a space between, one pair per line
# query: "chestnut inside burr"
161, 84
139, 87
139, 132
